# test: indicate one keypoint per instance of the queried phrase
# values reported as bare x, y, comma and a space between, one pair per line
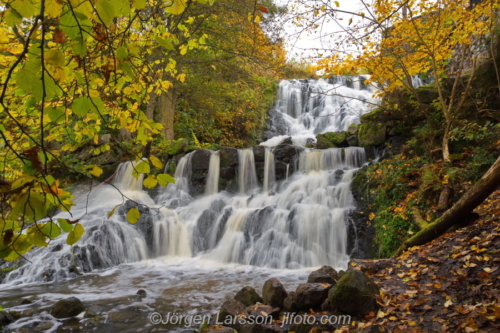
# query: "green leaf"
139, 4
24, 7
177, 7
36, 237
79, 47
165, 179
106, 11
51, 230
75, 235
65, 226
54, 57
150, 181
133, 215
167, 44
156, 162
30, 82
81, 106
12, 17
56, 114
122, 53
142, 167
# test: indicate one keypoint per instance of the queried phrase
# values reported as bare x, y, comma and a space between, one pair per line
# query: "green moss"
372, 134
177, 147
337, 138
323, 143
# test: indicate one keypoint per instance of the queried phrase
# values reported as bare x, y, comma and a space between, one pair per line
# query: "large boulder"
248, 296
274, 293
337, 138
286, 153
379, 115
354, 294
323, 143
201, 159
290, 302
229, 310
311, 295
68, 307
372, 134
228, 156
325, 274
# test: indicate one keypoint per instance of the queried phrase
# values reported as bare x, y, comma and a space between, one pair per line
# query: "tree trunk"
455, 215
166, 111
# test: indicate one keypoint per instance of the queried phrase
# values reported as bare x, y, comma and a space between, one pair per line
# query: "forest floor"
451, 284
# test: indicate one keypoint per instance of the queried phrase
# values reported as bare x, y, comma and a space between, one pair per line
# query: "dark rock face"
5, 318
228, 156
275, 125
69, 307
286, 153
200, 160
248, 296
360, 233
354, 294
229, 310
352, 140
325, 274
221, 330
311, 295
261, 310
274, 293
145, 223
259, 153
290, 302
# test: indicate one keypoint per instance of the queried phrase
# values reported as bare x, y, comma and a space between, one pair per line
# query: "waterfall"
269, 171
297, 222
247, 176
212, 185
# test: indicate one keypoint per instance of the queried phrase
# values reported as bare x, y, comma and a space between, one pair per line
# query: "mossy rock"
354, 294
323, 143
353, 129
177, 147
372, 134
190, 148
337, 138
378, 115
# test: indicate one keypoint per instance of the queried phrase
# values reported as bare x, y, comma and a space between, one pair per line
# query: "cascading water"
296, 223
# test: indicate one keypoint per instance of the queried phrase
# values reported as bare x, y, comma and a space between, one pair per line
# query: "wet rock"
201, 160
337, 138
69, 307
323, 143
325, 307
325, 274
204, 226
259, 153
274, 293
92, 311
5, 318
29, 300
275, 125
286, 152
141, 293
227, 173
229, 310
353, 129
145, 223
290, 302
22, 314
248, 296
119, 317
42, 326
96, 321
261, 310
217, 205
228, 156
352, 140
311, 295
354, 294
372, 134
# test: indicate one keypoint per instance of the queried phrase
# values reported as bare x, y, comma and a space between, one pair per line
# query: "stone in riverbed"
325, 274
92, 311
248, 296
354, 294
311, 295
230, 309
290, 302
274, 293
68, 307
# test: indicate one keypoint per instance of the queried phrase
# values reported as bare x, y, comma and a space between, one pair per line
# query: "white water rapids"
188, 253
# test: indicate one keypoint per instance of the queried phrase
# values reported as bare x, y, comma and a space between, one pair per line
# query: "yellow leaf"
96, 171
53, 8
133, 215
156, 162
177, 7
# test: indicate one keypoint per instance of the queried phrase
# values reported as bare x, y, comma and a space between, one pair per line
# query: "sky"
301, 45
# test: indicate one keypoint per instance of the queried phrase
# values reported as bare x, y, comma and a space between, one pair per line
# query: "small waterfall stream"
293, 224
